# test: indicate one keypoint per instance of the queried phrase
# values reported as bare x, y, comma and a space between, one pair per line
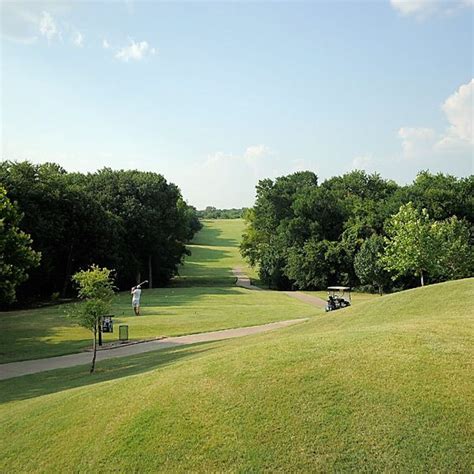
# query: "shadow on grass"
33, 334
36, 385
212, 237
186, 295
202, 281
205, 254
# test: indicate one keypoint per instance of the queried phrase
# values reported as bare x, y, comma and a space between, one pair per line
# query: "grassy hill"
385, 385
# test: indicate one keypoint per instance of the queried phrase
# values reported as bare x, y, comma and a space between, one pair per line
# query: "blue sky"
218, 95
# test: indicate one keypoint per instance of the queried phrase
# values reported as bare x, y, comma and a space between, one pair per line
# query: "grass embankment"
382, 386
211, 303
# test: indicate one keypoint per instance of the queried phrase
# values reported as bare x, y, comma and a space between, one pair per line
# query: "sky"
217, 95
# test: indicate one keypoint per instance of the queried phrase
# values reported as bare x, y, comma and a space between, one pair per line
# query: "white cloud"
423, 143
105, 44
78, 39
424, 8
459, 111
362, 162
47, 26
228, 180
416, 141
255, 152
135, 51
414, 7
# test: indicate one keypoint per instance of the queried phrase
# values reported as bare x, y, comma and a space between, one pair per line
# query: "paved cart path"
244, 281
313, 300
17, 369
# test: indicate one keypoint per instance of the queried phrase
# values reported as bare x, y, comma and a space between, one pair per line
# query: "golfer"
136, 293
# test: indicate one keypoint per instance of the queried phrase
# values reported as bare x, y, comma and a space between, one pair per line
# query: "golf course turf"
385, 385
204, 298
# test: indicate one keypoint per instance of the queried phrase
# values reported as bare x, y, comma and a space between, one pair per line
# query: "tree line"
54, 223
213, 213
360, 230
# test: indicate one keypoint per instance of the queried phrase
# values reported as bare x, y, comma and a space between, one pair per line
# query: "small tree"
412, 243
368, 264
16, 254
96, 290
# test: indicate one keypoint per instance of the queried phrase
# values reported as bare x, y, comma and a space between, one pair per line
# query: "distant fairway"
385, 385
214, 253
203, 298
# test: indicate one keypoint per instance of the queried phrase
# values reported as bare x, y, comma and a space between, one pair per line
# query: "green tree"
368, 265
96, 289
412, 243
16, 254
457, 254
68, 226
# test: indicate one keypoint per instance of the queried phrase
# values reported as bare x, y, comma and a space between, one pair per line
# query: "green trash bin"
123, 332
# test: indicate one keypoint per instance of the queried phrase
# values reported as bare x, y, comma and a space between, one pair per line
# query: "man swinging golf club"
136, 292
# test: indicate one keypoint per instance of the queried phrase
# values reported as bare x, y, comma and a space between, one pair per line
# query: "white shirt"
136, 294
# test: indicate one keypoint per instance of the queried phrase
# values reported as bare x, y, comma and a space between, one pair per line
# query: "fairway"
203, 298
383, 386
214, 253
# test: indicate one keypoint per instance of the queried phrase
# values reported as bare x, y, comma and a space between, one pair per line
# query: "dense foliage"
134, 222
302, 234
16, 255
213, 213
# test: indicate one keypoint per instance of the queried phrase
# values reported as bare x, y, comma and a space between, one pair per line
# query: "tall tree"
368, 264
16, 255
457, 250
412, 243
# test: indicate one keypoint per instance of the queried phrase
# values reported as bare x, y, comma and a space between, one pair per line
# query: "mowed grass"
385, 385
203, 299
214, 253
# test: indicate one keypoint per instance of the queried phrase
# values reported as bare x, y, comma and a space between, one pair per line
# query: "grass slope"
213, 302
385, 385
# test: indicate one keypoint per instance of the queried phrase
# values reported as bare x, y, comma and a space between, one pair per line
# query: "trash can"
123, 332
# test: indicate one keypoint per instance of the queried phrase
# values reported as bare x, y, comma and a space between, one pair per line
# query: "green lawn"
211, 303
214, 253
385, 385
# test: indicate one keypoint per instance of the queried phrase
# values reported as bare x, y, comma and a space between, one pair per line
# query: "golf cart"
338, 297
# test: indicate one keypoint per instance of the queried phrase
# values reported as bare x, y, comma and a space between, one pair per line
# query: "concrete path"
313, 300
243, 280
17, 369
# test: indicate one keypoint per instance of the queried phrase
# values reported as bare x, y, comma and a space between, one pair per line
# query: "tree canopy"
132, 221
308, 235
16, 255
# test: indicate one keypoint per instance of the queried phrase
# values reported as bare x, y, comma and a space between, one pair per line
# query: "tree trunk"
139, 277
94, 349
67, 278
100, 331
150, 273
422, 278
380, 290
